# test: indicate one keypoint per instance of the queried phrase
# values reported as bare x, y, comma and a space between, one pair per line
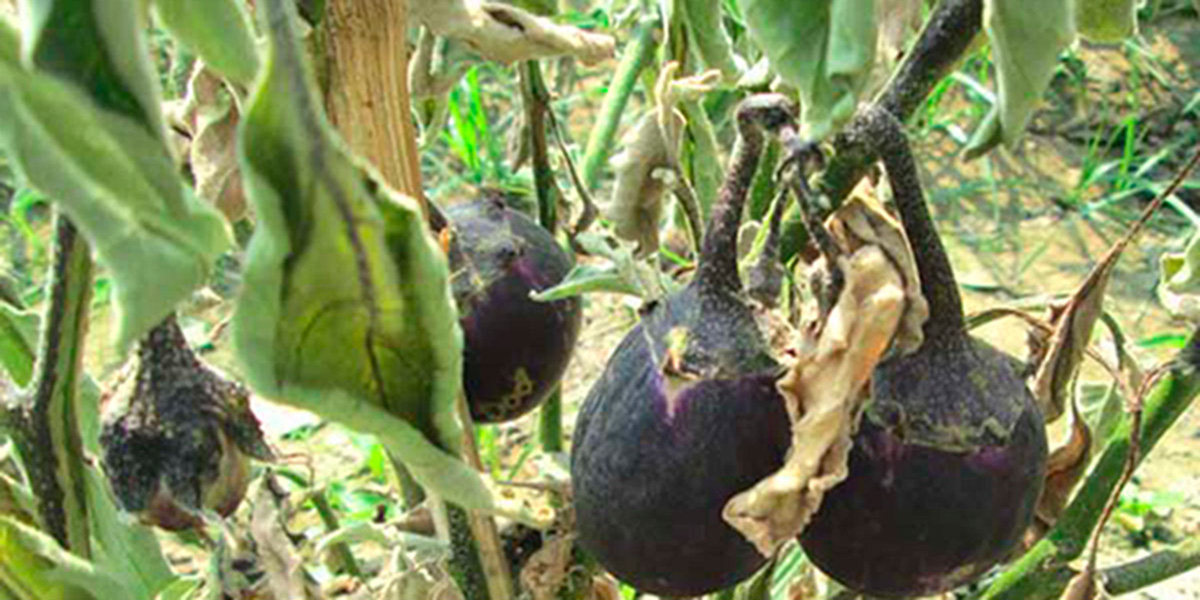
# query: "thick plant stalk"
49, 436
638, 53
366, 94
537, 106
1041, 568
367, 99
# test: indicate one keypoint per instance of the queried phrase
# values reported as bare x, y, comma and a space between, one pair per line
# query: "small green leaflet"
218, 30
1179, 291
825, 48
109, 170
18, 340
1027, 37
346, 308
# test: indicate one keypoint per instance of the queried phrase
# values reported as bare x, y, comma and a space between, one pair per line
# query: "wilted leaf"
649, 162
107, 166
211, 115
285, 574
1027, 37
825, 48
1106, 20
546, 571
346, 308
824, 389
1084, 586
217, 30
507, 34
1064, 468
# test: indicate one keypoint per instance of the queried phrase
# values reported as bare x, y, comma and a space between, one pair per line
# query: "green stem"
942, 41
637, 55
537, 105
705, 159
1160, 566
1040, 569
53, 448
329, 518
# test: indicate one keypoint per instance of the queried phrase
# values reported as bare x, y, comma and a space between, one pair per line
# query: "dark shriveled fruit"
177, 437
949, 459
516, 349
685, 415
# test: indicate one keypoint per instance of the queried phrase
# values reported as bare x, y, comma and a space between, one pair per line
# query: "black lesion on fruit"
177, 441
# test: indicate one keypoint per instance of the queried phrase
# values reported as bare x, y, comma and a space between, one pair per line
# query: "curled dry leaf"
648, 164
209, 115
1085, 586
286, 578
508, 34
825, 388
1065, 467
546, 571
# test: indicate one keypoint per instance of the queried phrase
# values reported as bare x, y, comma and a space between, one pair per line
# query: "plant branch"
1160, 566
947, 34
636, 56
53, 447
1040, 568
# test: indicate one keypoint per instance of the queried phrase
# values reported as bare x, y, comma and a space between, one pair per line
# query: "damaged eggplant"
686, 413
950, 455
177, 436
515, 349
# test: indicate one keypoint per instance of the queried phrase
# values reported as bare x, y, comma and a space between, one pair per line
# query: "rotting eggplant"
949, 458
686, 413
177, 436
516, 349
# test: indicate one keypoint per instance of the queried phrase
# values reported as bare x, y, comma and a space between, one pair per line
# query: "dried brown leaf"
546, 571
508, 34
209, 115
1084, 586
824, 389
285, 577
1064, 469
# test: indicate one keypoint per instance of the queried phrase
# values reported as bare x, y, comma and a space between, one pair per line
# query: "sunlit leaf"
217, 30
346, 308
1179, 291
104, 163
1027, 37
825, 48
1106, 20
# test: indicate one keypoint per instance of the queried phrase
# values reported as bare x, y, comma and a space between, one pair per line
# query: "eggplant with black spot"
686, 414
950, 456
516, 349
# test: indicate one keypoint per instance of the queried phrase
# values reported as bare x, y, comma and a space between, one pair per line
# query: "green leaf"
825, 48
115, 179
182, 589
1179, 291
1027, 37
35, 567
18, 341
1106, 21
704, 25
124, 548
586, 279
346, 308
217, 30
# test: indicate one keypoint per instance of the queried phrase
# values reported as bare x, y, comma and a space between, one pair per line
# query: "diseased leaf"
1106, 21
825, 48
346, 308
1027, 37
105, 164
211, 116
217, 30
